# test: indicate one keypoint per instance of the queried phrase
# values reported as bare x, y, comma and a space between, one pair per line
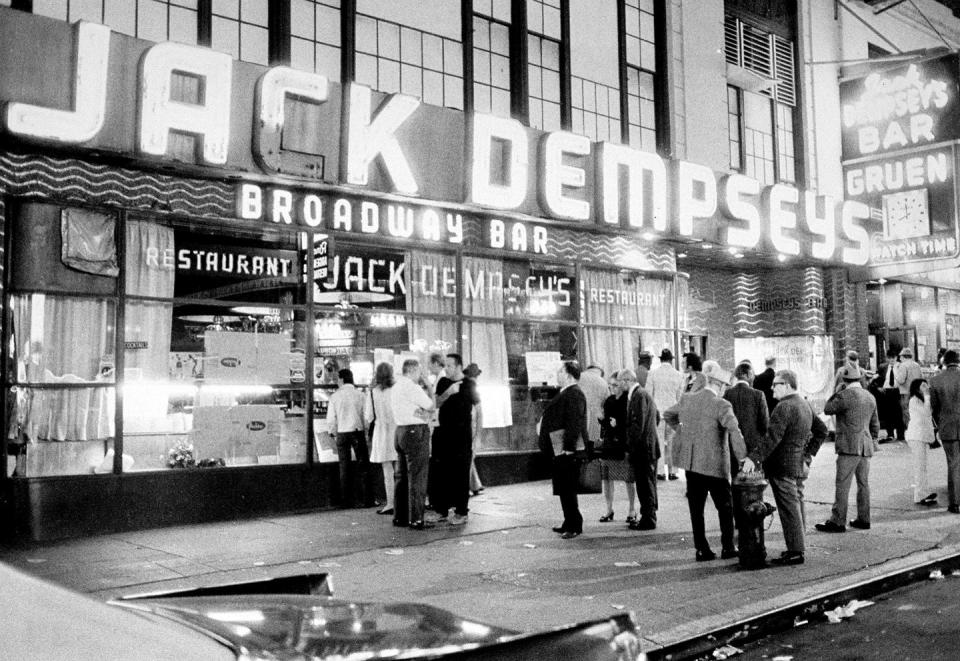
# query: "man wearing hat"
664, 385
644, 361
905, 372
945, 403
857, 431
703, 421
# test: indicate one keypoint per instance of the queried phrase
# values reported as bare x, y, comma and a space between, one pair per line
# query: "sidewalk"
506, 567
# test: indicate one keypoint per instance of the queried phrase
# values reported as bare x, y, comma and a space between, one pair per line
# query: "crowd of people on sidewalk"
422, 433
714, 426
651, 425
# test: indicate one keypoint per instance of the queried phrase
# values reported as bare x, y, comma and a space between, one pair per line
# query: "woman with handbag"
921, 437
614, 464
378, 415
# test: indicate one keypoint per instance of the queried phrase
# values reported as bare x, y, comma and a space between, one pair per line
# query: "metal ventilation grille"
731, 40
784, 70
757, 54
762, 53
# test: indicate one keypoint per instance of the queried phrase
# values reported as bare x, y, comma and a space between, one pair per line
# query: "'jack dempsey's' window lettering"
390, 276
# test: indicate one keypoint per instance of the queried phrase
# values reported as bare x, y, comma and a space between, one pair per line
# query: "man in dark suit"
643, 444
749, 405
793, 438
857, 430
764, 382
945, 404
889, 411
567, 414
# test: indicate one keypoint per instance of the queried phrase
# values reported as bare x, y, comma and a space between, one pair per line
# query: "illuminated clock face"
906, 215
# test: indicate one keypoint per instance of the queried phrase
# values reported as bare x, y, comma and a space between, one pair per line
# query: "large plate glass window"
62, 339
215, 347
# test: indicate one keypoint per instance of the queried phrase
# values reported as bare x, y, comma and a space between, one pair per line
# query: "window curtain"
65, 340
610, 348
431, 276
149, 272
485, 342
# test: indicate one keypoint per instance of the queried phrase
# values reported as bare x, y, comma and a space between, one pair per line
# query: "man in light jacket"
704, 420
663, 384
905, 372
857, 431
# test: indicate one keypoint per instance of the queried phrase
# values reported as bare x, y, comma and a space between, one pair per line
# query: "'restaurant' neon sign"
576, 180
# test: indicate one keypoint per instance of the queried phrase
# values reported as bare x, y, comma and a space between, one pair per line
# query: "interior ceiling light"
707, 245
681, 255
781, 258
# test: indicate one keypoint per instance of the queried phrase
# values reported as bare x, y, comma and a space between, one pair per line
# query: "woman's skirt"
616, 469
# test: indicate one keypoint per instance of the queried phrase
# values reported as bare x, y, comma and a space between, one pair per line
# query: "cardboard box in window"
234, 357
238, 434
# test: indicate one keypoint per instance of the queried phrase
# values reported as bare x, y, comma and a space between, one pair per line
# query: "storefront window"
214, 348
61, 344
625, 312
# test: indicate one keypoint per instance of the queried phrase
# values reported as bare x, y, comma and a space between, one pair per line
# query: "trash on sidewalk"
632, 563
394, 552
841, 612
726, 652
936, 575
797, 622
259, 563
529, 546
955, 572
619, 607
782, 657
466, 542
34, 561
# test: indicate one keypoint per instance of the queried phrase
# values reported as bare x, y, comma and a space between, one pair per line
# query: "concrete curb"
696, 639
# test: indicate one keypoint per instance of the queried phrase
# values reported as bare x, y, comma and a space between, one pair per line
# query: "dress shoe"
728, 554
929, 500
569, 534
857, 523
606, 518
673, 476
385, 510
643, 524
706, 556
421, 525
559, 529
788, 558
631, 519
830, 526
954, 509
400, 524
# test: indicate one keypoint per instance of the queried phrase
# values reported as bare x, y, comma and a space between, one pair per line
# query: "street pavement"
506, 567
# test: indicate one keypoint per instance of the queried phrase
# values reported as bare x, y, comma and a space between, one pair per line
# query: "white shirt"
345, 410
664, 385
407, 397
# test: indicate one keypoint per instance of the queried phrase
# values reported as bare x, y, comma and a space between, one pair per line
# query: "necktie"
890, 376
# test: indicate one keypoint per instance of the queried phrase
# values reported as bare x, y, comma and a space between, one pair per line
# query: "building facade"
209, 207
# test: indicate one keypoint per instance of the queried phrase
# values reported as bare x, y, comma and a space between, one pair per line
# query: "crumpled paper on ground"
841, 612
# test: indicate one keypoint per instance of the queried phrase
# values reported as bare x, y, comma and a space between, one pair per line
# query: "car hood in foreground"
311, 627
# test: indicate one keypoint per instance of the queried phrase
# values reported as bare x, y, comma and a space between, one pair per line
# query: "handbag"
373, 407
588, 480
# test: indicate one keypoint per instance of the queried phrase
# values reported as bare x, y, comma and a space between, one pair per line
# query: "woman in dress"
920, 436
613, 460
379, 411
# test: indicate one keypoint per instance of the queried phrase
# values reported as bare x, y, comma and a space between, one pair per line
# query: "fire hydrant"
749, 512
